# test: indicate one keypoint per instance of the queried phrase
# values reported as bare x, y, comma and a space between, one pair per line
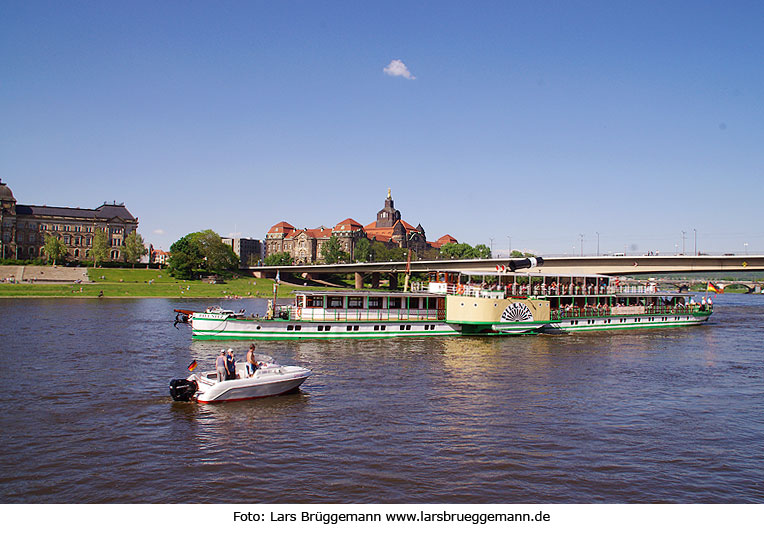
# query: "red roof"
348, 224
442, 241
373, 226
380, 234
282, 227
315, 233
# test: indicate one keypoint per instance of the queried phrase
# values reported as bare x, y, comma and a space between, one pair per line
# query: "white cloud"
158, 231
399, 68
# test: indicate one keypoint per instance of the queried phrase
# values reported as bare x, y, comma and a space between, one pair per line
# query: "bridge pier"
359, 280
375, 280
393, 281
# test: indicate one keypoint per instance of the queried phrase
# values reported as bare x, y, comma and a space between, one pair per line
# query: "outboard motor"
525, 263
182, 389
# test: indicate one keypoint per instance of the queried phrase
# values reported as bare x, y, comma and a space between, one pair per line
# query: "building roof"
318, 232
347, 225
373, 226
282, 227
380, 234
104, 211
442, 241
5, 192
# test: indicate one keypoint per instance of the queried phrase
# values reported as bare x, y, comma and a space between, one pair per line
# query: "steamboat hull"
208, 327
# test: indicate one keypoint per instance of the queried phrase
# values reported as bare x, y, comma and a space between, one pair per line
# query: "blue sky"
541, 121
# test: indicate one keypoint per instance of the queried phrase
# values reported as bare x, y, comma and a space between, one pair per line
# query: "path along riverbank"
70, 282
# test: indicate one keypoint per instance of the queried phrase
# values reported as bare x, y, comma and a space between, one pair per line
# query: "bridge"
605, 265
751, 286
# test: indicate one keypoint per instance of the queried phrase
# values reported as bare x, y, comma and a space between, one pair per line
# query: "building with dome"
23, 227
304, 245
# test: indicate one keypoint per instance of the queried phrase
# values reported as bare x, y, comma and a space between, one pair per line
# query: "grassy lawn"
147, 283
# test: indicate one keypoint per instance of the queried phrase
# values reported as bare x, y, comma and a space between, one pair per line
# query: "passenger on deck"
220, 367
230, 365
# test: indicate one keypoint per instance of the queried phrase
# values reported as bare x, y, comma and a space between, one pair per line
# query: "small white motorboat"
269, 379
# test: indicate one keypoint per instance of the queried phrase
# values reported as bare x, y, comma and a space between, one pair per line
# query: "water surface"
670, 415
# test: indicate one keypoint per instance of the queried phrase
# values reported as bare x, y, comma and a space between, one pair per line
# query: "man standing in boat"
251, 361
230, 365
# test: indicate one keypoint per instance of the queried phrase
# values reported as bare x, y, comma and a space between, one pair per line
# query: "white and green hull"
635, 322
208, 326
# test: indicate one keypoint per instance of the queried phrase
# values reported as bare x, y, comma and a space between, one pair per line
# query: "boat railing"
543, 290
608, 311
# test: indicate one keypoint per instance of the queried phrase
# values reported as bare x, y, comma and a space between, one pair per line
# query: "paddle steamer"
464, 303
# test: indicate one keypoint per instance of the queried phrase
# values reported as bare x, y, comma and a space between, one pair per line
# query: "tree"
332, 251
100, 249
457, 251
363, 250
54, 248
133, 248
463, 251
200, 253
481, 251
280, 258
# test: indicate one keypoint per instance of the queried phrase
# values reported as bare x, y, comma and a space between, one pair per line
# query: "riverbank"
145, 283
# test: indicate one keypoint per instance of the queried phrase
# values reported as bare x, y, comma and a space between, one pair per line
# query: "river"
668, 415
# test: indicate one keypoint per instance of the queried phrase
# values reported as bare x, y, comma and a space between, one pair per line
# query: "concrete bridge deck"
606, 265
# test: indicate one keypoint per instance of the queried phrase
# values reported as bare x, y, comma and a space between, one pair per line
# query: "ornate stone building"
304, 245
23, 227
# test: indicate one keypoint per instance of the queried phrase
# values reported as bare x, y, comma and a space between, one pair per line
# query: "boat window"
335, 302
432, 303
315, 302
413, 303
375, 302
394, 303
355, 302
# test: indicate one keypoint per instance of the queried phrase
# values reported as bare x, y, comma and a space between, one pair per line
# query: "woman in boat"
220, 367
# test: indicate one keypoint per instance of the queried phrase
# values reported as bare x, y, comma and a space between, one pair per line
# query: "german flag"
192, 365
713, 287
